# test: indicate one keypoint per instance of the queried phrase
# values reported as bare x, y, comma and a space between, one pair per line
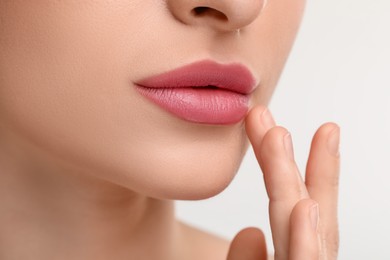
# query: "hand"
303, 214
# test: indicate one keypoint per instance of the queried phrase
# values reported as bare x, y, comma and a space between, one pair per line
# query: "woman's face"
67, 83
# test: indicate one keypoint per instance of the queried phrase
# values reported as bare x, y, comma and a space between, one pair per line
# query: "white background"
338, 71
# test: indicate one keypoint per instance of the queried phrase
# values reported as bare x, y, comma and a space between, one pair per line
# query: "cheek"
270, 41
53, 81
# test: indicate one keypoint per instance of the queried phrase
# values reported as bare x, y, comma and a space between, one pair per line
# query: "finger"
322, 179
284, 184
258, 121
303, 231
248, 244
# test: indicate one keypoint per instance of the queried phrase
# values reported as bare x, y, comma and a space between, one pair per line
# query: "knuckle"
330, 180
327, 179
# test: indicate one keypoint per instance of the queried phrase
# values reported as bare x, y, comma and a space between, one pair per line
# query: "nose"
221, 15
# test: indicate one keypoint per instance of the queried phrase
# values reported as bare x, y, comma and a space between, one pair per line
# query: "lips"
202, 92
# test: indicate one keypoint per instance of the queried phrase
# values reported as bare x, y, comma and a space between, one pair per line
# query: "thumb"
248, 244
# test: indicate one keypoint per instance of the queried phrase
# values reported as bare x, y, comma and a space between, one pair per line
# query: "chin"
196, 183
176, 179
191, 171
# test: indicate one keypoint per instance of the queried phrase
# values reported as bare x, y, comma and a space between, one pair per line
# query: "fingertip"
325, 130
254, 115
325, 141
259, 120
304, 212
302, 207
324, 150
281, 174
251, 234
249, 243
330, 125
273, 142
304, 221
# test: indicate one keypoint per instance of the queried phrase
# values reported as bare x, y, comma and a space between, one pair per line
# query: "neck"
56, 214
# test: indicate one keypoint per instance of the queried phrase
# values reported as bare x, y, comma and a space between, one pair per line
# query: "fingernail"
314, 215
267, 119
334, 142
288, 146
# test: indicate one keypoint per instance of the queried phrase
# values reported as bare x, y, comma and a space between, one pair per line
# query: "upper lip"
234, 77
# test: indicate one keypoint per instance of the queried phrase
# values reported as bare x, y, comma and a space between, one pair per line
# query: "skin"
90, 169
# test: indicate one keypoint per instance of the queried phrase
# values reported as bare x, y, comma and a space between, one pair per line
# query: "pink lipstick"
202, 92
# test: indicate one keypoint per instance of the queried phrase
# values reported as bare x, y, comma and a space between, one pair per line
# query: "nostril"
200, 10
203, 10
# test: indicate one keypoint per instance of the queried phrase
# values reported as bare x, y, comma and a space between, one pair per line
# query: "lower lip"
200, 105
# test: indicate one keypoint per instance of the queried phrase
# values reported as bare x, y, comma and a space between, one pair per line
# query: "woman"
111, 110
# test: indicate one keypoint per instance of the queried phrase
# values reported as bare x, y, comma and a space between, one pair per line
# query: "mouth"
202, 92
